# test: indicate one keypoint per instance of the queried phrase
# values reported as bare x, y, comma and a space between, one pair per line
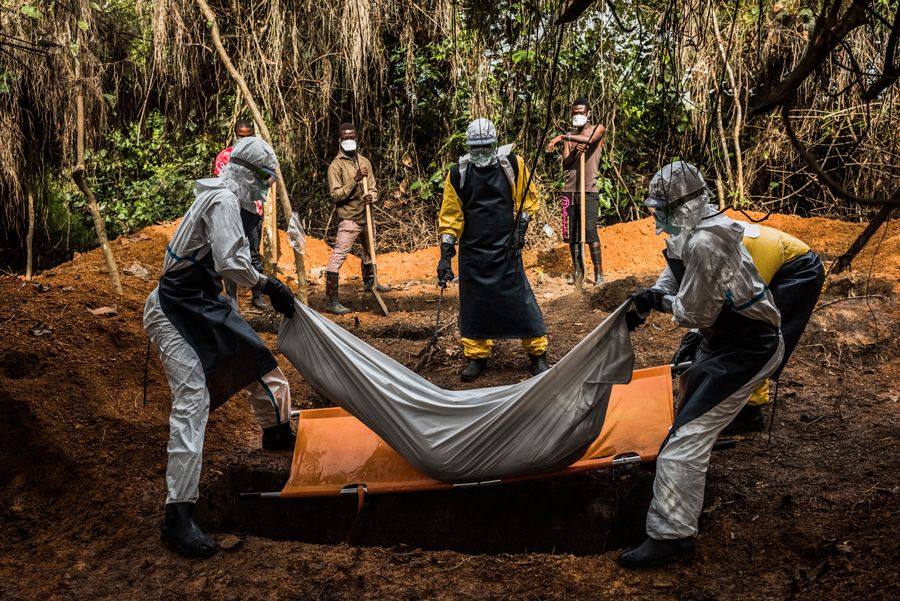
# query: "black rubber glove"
633, 321
687, 350
519, 235
280, 296
444, 269
648, 299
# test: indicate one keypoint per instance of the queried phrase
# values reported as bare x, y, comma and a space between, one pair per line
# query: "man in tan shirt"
345, 181
585, 139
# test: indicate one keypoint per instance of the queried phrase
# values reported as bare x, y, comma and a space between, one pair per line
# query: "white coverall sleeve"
228, 245
667, 284
708, 268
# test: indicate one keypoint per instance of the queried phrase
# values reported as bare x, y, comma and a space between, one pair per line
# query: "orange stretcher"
336, 454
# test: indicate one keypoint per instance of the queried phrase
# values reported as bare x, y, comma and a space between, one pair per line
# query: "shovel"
370, 239
428, 352
579, 277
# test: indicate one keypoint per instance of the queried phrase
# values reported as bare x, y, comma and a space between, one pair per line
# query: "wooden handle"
582, 199
369, 229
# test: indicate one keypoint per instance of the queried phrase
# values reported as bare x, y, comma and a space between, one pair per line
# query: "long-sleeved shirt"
346, 192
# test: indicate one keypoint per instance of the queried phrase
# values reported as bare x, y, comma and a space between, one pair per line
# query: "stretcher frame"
336, 454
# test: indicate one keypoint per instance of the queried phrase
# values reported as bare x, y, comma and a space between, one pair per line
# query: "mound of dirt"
82, 455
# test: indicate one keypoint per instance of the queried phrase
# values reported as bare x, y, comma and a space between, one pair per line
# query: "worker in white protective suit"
710, 283
208, 351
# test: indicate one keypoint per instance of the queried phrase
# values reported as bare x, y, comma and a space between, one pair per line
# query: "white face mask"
483, 157
579, 120
348, 145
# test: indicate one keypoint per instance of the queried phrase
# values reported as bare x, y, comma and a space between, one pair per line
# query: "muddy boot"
368, 274
331, 295
279, 438
576, 251
653, 552
258, 301
748, 419
538, 363
181, 531
597, 260
473, 369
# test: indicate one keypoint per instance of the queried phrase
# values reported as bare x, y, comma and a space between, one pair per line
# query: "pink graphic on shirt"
222, 160
564, 204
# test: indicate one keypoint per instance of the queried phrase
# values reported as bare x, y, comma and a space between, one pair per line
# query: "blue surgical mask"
664, 222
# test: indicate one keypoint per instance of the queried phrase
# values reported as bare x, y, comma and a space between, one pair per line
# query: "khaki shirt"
346, 192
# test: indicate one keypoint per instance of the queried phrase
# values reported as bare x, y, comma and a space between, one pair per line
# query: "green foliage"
32, 12
145, 175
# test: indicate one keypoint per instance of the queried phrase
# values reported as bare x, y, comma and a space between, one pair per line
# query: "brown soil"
811, 515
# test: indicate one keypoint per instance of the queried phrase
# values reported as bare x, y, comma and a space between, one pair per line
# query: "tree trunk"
270, 234
264, 133
843, 262
736, 91
29, 238
81, 181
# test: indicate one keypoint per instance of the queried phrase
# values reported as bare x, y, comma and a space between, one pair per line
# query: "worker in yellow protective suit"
795, 275
483, 194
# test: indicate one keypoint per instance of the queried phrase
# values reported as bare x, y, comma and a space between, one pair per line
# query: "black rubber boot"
473, 369
368, 274
597, 260
331, 295
653, 552
538, 363
576, 252
279, 438
182, 532
258, 301
748, 419
231, 293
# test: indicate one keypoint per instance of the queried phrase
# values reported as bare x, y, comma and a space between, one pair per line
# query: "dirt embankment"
82, 456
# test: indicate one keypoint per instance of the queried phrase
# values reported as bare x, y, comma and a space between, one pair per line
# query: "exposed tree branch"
264, 132
824, 178
831, 29
29, 238
81, 181
891, 71
843, 262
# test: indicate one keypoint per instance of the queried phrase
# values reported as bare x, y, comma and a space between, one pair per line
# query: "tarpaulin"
541, 424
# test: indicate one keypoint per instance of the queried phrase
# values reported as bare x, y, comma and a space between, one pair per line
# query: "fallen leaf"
138, 271
104, 311
230, 541
40, 329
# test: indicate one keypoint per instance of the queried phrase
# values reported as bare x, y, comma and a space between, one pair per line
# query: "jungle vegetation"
786, 105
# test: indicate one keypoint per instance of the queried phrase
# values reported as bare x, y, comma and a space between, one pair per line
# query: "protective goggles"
265, 175
655, 202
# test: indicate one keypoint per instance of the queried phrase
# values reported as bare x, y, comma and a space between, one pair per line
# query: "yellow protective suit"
770, 249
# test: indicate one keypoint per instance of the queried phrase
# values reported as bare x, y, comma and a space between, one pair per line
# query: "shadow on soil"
579, 514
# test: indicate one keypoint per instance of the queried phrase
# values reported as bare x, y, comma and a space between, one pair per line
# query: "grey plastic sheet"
540, 424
